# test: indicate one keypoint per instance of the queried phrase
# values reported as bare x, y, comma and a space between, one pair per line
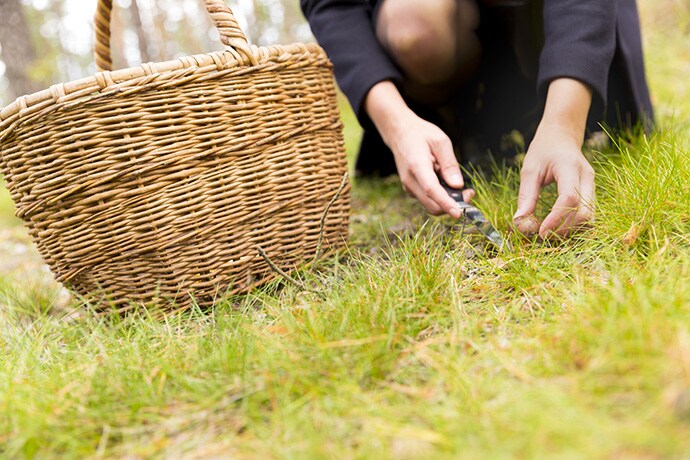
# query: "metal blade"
475, 216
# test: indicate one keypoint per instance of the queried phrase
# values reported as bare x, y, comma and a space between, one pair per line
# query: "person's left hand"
555, 156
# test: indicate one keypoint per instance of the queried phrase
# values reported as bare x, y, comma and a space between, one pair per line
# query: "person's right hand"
421, 150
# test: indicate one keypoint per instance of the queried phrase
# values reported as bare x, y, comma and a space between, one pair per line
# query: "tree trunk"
117, 41
159, 19
18, 52
293, 17
207, 44
141, 33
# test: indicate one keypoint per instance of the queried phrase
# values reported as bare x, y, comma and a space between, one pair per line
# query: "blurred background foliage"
43, 42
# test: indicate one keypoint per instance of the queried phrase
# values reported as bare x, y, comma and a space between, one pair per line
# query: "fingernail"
456, 212
457, 178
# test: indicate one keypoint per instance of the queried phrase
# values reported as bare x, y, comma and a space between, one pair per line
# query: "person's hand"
553, 156
420, 148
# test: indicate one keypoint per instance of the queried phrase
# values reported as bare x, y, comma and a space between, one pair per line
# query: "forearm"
567, 105
387, 109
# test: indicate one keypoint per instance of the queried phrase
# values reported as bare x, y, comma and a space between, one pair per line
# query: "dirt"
527, 226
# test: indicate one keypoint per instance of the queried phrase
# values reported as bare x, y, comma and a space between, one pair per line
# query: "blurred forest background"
48, 41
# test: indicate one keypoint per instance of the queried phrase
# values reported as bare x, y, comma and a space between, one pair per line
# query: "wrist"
565, 131
567, 106
387, 109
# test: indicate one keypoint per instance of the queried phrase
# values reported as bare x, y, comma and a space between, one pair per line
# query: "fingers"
423, 153
574, 206
448, 164
530, 185
443, 155
587, 192
575, 203
560, 219
419, 176
432, 195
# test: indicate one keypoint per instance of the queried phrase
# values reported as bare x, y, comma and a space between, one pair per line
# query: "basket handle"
230, 32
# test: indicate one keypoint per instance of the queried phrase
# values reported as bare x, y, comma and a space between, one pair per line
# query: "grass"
422, 344
7, 218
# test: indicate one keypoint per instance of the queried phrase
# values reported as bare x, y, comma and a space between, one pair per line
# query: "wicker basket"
163, 184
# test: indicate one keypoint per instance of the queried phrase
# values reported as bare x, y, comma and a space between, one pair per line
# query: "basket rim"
102, 81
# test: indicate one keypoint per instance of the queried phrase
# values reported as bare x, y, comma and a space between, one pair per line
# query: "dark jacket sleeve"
579, 42
345, 31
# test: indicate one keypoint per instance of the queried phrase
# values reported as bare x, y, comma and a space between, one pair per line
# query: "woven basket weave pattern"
165, 181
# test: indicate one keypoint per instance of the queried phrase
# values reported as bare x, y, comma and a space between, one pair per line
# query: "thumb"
448, 164
452, 175
528, 194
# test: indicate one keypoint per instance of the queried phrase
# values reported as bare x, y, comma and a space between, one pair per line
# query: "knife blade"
476, 217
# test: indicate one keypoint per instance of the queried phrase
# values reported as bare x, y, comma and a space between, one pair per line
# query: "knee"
422, 51
430, 43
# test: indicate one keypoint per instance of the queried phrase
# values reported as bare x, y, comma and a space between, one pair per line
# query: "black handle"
455, 193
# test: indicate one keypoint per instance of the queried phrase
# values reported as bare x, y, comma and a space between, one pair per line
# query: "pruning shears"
475, 216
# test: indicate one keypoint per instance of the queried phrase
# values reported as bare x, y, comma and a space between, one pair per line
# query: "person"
427, 78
